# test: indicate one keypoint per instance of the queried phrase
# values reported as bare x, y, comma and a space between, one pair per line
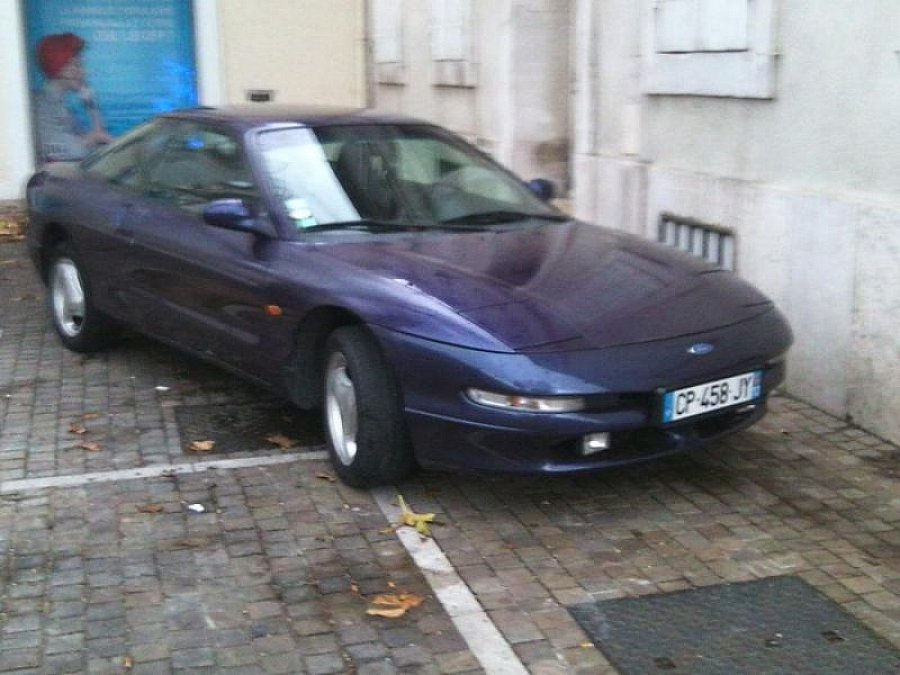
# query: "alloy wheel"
67, 296
341, 410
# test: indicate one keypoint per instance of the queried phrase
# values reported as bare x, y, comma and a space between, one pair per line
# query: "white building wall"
16, 154
806, 180
310, 52
512, 96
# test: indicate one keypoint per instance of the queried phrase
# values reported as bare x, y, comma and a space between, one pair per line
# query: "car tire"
363, 412
79, 324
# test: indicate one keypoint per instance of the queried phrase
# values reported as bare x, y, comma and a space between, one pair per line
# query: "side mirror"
236, 214
543, 188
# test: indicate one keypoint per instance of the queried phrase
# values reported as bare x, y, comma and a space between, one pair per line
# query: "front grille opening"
713, 243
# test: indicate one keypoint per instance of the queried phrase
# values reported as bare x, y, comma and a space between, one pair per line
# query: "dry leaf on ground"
281, 441
77, 429
90, 446
201, 446
326, 476
11, 230
395, 605
151, 508
91, 416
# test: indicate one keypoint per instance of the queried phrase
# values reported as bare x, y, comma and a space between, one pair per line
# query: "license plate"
703, 398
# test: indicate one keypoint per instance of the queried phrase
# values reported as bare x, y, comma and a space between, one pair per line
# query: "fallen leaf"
281, 441
201, 446
412, 519
12, 228
151, 508
28, 297
90, 446
354, 588
128, 663
326, 476
395, 605
91, 416
77, 429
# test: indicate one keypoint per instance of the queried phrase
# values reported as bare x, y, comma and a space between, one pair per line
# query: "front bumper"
453, 444
621, 384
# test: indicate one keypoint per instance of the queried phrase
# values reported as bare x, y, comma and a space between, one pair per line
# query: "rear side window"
121, 162
197, 165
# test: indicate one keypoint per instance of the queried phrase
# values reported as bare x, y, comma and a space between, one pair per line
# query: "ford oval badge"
700, 349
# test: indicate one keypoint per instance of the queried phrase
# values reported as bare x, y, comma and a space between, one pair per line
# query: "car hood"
551, 287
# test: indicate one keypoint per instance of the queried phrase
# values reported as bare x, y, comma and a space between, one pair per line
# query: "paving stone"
377, 668
366, 651
324, 664
282, 663
63, 663
193, 658
405, 657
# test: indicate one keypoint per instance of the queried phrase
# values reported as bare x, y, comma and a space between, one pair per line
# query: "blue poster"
98, 68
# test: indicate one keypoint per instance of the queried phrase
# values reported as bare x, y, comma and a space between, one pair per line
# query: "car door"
200, 286
107, 186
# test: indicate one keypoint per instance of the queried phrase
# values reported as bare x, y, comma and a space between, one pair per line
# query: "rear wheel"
80, 326
363, 412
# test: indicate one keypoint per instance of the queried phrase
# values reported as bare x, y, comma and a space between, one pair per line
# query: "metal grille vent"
715, 244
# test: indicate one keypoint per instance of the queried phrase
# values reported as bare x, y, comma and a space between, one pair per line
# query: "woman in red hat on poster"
60, 134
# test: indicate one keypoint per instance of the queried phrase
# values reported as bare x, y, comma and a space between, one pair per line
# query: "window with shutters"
710, 48
451, 43
387, 41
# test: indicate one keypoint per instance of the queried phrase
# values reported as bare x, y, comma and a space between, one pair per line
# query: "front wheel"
80, 326
363, 412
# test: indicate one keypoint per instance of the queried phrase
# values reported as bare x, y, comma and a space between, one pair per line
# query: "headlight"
544, 404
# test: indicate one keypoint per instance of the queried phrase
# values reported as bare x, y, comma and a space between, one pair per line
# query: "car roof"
265, 114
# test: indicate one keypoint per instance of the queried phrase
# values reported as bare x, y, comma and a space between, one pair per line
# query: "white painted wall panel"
874, 376
676, 25
820, 299
723, 25
387, 31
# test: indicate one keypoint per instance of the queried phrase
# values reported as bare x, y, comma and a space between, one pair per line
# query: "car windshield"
390, 177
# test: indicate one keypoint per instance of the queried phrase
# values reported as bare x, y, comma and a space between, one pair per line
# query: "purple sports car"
436, 307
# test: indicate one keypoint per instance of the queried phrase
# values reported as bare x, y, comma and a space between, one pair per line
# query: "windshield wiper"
500, 216
364, 225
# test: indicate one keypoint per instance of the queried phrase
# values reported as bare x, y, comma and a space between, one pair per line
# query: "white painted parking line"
484, 639
31, 484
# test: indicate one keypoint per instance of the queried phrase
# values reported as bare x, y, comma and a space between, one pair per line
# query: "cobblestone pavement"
114, 576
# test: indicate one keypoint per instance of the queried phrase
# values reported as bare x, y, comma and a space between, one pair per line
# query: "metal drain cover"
777, 625
246, 426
